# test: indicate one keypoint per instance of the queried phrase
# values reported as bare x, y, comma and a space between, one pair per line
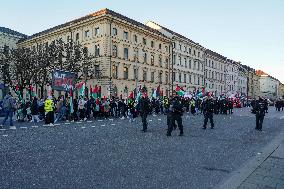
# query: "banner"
63, 80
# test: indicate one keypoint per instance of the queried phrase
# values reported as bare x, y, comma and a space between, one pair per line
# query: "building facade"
269, 86
242, 81
281, 90
232, 72
127, 53
8, 40
215, 72
188, 60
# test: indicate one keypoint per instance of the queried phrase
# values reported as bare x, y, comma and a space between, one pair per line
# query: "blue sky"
250, 31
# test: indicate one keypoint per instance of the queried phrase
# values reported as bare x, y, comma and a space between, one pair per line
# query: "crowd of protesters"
64, 108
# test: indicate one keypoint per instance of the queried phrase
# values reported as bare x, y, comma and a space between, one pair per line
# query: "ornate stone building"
188, 59
215, 72
127, 53
232, 71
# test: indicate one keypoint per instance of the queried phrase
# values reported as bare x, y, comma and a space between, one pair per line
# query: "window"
135, 73
160, 77
179, 77
189, 50
189, 64
198, 66
194, 52
160, 46
194, 65
77, 37
167, 62
126, 53
198, 80
97, 50
180, 47
97, 71
136, 57
68, 38
174, 45
198, 54
152, 44
125, 72
167, 77
85, 51
135, 39
87, 33
166, 48
179, 58
185, 48
174, 59
185, 62
145, 57
160, 61
144, 75
125, 35
174, 76
114, 31
184, 78
97, 31
114, 72
144, 41
152, 76
189, 79
152, 60
114, 50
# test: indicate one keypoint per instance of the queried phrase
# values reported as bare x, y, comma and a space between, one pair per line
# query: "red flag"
131, 95
177, 88
105, 98
91, 91
95, 89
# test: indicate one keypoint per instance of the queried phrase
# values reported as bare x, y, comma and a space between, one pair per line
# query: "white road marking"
150, 120
110, 119
34, 126
78, 122
67, 123
23, 127
83, 127
57, 124
112, 124
103, 125
89, 121
13, 128
5, 135
161, 120
45, 125
2, 129
100, 120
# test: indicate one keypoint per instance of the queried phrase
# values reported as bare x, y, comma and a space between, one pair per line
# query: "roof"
208, 51
12, 32
176, 34
95, 14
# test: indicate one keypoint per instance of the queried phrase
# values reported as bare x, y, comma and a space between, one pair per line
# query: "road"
115, 154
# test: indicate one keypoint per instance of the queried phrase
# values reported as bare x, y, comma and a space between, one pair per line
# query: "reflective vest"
48, 105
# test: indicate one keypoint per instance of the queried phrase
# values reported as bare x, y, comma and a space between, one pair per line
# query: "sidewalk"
262, 172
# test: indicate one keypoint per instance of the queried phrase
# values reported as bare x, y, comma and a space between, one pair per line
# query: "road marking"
150, 120
93, 126
89, 121
100, 120
78, 122
23, 127
13, 128
2, 129
112, 124
45, 125
5, 135
161, 120
83, 127
110, 119
34, 126
103, 125
67, 123
56, 124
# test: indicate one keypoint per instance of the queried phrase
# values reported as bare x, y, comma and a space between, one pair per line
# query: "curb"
236, 178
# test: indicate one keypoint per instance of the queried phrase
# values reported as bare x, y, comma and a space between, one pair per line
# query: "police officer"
208, 110
260, 109
176, 111
143, 107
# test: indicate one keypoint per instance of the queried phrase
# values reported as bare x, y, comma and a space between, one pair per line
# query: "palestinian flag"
179, 91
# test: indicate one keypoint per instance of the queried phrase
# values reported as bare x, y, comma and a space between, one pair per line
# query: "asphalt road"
115, 154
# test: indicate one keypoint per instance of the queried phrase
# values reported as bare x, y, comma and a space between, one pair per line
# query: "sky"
250, 31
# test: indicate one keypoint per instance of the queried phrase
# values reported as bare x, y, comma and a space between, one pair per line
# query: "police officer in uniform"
208, 111
143, 107
176, 111
260, 109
